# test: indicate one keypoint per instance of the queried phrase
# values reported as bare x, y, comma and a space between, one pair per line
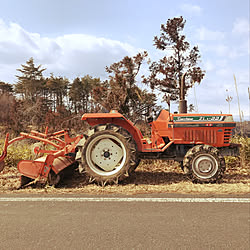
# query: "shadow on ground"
151, 178
10, 180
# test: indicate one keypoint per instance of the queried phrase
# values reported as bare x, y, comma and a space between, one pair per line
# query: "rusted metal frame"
7, 143
50, 136
61, 143
36, 133
66, 150
54, 136
61, 132
46, 134
25, 136
3, 155
68, 147
44, 151
47, 165
69, 139
71, 147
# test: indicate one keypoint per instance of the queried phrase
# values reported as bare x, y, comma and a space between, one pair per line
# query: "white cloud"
69, 55
215, 49
221, 50
75, 55
84, 54
242, 48
191, 9
241, 26
211, 94
228, 52
205, 34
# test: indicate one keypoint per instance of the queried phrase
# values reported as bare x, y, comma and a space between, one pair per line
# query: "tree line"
56, 101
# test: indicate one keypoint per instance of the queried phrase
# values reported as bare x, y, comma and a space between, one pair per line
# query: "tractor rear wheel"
109, 154
204, 164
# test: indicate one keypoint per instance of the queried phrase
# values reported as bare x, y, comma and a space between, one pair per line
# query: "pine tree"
57, 88
166, 74
121, 91
76, 94
5, 88
80, 93
30, 83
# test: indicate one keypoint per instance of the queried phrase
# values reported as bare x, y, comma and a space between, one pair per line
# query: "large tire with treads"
109, 154
204, 164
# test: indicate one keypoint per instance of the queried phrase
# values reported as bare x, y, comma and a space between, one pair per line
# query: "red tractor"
113, 148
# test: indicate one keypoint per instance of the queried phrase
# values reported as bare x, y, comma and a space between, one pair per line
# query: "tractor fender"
115, 118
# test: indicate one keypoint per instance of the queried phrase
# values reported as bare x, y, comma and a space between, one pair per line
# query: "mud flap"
31, 169
40, 168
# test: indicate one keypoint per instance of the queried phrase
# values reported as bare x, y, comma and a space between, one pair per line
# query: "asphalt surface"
123, 225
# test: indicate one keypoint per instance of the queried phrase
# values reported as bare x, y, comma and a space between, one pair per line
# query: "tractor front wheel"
109, 154
204, 164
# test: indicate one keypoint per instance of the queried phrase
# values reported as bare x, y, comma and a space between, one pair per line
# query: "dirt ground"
149, 177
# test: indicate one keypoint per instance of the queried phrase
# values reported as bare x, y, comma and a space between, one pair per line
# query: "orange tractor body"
111, 150
198, 141
212, 129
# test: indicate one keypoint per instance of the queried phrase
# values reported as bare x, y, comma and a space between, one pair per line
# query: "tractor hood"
203, 120
212, 129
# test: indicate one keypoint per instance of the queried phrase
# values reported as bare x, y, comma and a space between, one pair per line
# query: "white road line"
123, 199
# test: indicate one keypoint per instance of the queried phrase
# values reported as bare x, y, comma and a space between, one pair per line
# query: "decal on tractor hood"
214, 118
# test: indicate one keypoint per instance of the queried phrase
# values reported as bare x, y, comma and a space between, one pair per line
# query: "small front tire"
204, 164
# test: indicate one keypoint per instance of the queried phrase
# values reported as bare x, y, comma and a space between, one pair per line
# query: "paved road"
138, 224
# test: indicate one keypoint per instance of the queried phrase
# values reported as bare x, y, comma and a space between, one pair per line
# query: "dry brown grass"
150, 177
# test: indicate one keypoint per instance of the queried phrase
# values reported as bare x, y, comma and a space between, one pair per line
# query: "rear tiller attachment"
48, 167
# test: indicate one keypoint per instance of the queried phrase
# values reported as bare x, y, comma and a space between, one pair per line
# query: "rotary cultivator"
112, 149
48, 167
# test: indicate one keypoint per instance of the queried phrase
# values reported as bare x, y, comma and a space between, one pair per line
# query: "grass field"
150, 177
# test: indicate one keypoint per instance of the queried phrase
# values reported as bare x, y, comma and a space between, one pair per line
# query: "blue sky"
77, 37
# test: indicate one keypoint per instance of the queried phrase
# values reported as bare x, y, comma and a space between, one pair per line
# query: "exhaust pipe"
182, 101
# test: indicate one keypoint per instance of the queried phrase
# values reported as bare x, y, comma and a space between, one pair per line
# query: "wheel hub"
205, 166
106, 154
